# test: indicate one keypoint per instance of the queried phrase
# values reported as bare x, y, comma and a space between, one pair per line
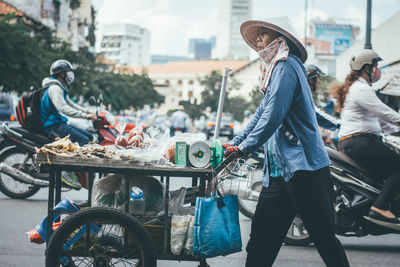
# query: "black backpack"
28, 109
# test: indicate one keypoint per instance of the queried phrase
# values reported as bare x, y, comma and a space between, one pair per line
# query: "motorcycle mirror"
92, 101
100, 100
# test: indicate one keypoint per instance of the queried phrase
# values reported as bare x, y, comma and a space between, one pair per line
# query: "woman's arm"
276, 106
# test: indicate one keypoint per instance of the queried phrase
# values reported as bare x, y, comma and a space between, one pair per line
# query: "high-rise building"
126, 44
231, 14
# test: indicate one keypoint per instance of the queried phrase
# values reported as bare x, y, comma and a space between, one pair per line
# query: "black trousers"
310, 194
371, 153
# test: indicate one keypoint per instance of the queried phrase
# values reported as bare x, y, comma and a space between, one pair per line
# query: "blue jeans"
75, 134
173, 129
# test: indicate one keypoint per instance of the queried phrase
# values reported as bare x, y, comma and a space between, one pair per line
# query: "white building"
70, 25
231, 14
385, 41
126, 44
181, 80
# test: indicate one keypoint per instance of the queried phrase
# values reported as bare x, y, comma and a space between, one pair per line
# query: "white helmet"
365, 56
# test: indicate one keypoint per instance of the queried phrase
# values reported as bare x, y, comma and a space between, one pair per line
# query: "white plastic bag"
179, 232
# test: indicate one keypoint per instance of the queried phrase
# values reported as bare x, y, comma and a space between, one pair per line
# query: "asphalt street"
19, 216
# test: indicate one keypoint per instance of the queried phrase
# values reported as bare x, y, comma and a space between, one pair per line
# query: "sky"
173, 22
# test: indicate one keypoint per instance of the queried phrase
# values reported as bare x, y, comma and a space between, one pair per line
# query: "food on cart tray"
65, 147
139, 147
62, 146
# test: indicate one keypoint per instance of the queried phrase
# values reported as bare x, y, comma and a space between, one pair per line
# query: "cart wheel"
116, 239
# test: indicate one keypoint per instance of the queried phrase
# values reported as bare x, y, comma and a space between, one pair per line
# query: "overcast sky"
173, 22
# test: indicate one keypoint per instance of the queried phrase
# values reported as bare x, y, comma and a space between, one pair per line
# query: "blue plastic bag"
216, 227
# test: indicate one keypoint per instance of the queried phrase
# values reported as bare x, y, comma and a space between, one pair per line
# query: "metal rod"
305, 24
368, 44
221, 102
50, 206
166, 215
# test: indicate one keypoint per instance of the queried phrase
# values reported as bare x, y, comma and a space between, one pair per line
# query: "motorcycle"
20, 177
354, 188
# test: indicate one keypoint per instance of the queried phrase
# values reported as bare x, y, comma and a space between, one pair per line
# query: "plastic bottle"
136, 201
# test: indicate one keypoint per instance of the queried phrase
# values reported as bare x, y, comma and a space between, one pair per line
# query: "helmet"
313, 71
60, 65
247, 112
365, 56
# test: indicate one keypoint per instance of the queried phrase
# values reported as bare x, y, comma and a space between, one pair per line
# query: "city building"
384, 39
229, 42
162, 59
201, 48
181, 80
327, 41
126, 44
70, 23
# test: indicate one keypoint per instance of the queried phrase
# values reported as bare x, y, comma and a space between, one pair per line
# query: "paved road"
19, 216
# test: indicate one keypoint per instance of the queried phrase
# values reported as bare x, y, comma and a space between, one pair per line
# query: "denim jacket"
287, 116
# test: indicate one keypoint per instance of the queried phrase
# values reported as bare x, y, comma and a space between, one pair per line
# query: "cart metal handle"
225, 163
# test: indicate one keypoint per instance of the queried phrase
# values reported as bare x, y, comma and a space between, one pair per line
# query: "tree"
255, 98
25, 61
210, 95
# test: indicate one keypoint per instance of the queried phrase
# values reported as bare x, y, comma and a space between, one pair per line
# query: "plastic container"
136, 201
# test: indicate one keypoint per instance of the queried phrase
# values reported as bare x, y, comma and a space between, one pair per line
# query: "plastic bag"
109, 191
121, 140
176, 203
216, 227
179, 232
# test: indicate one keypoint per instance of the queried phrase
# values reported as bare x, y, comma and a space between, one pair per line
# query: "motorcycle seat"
37, 138
347, 162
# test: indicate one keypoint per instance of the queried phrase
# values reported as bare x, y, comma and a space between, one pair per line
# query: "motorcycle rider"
178, 120
56, 103
364, 116
324, 119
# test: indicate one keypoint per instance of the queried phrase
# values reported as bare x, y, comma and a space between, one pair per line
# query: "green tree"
25, 61
210, 95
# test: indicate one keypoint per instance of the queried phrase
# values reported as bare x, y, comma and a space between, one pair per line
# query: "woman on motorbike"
363, 118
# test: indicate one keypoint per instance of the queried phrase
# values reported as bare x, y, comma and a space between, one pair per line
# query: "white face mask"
70, 77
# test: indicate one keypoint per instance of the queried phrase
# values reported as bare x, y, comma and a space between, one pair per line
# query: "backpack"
28, 109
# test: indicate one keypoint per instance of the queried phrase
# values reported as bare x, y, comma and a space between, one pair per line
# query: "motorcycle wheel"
8, 185
248, 206
297, 234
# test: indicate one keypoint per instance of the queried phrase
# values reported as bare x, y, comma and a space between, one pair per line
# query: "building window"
179, 82
167, 82
190, 82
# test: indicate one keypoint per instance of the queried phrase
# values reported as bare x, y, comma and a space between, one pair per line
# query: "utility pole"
305, 23
368, 44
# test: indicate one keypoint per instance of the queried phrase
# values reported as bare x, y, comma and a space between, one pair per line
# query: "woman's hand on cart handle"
233, 150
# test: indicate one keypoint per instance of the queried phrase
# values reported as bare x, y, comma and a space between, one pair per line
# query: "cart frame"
200, 177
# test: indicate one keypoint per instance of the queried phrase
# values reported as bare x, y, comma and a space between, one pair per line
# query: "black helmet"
313, 71
60, 65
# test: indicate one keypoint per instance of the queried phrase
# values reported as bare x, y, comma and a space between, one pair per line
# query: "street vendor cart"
105, 236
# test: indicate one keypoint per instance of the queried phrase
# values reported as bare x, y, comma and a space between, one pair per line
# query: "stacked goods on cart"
188, 149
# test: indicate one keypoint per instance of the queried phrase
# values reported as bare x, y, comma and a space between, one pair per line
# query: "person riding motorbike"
324, 119
364, 116
56, 103
178, 120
